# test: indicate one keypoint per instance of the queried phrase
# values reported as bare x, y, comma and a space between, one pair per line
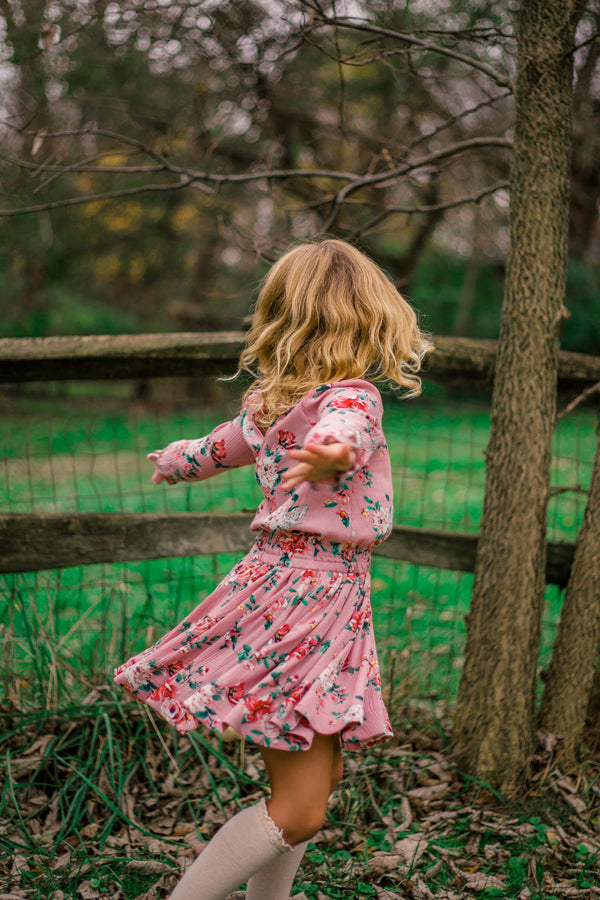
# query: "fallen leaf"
420, 891
87, 892
20, 864
411, 848
480, 881
147, 867
431, 792
61, 862
380, 863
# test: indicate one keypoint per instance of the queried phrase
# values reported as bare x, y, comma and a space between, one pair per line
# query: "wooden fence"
33, 542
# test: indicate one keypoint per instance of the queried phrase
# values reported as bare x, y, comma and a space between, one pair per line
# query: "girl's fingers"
318, 462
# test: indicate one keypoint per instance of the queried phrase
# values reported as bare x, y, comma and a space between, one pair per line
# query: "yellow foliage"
107, 267
185, 217
115, 159
85, 182
92, 209
125, 216
137, 269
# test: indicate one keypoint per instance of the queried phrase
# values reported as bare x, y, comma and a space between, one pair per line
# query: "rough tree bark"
495, 718
575, 654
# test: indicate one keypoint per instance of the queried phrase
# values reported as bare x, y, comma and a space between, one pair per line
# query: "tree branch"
405, 168
434, 207
210, 182
355, 24
593, 389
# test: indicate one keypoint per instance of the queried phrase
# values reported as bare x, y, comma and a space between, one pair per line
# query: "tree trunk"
575, 654
495, 719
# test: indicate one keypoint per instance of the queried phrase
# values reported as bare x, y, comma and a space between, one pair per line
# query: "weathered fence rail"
151, 355
32, 542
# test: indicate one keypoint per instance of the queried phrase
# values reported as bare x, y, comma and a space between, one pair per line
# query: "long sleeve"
194, 460
349, 415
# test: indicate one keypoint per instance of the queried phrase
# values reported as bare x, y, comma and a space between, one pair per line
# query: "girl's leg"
274, 881
301, 782
242, 846
257, 836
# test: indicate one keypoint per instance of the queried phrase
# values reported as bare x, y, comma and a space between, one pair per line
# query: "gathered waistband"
310, 551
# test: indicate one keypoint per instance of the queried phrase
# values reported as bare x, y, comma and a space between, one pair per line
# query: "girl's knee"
300, 829
297, 823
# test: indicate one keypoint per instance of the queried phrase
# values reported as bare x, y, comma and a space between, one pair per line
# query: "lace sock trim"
274, 833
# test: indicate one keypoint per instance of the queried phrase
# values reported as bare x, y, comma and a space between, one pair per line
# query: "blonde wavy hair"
326, 312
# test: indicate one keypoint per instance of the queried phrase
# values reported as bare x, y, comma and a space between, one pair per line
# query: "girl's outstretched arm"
194, 460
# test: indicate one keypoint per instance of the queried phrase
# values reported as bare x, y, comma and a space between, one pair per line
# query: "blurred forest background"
213, 133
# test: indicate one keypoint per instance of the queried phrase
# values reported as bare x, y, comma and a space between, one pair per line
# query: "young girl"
282, 651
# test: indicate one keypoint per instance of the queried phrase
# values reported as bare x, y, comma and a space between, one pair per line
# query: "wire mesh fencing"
81, 448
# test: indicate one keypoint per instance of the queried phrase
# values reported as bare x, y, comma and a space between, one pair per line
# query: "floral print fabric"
284, 646
356, 508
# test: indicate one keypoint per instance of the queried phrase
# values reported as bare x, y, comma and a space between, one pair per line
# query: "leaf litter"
99, 803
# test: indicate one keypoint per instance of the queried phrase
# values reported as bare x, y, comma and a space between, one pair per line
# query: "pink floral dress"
284, 646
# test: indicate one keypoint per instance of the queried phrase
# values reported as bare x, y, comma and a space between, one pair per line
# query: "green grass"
110, 793
64, 630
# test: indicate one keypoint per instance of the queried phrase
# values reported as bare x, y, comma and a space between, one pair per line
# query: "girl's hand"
157, 476
317, 462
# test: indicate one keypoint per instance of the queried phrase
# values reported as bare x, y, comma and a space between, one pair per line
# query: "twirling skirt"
281, 649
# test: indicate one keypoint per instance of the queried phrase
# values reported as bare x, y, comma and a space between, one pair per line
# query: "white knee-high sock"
242, 846
274, 881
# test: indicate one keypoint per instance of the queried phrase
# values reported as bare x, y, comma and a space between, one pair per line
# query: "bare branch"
435, 207
210, 182
579, 399
108, 195
354, 24
405, 168
463, 115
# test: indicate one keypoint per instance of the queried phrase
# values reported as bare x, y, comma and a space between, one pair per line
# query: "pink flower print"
267, 473
304, 648
287, 439
172, 668
355, 714
204, 624
343, 514
200, 699
174, 712
257, 708
355, 622
164, 692
218, 451
309, 573
243, 574
268, 616
296, 543
349, 403
279, 635
348, 556
236, 692
382, 522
